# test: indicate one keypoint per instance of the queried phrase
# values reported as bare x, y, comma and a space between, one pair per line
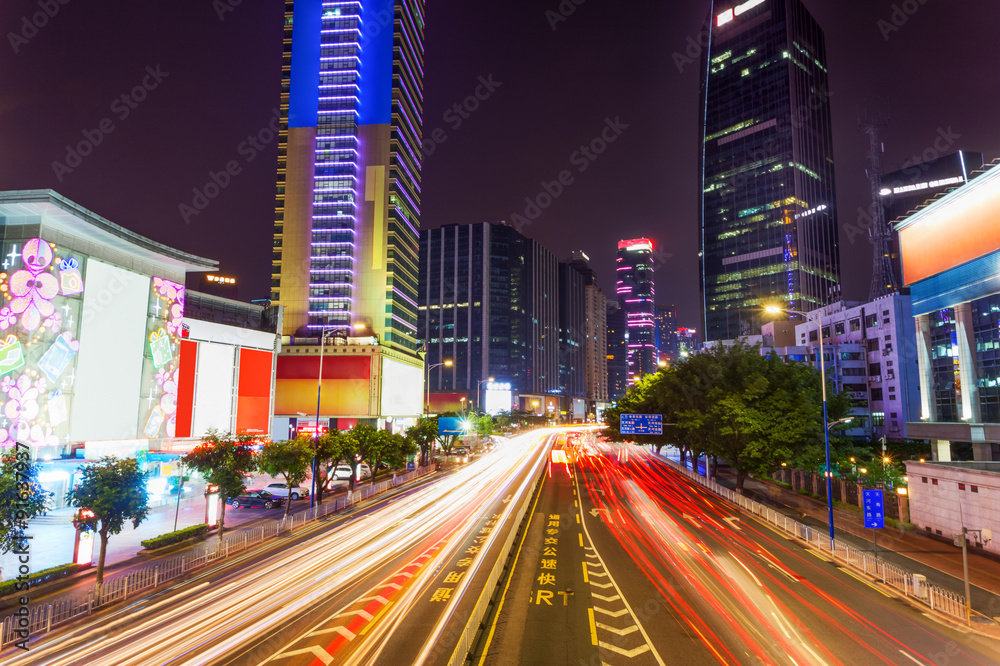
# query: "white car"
343, 472
281, 490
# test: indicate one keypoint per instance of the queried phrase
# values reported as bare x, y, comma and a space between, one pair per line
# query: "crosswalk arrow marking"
619, 613
603, 586
604, 598
625, 653
316, 650
621, 632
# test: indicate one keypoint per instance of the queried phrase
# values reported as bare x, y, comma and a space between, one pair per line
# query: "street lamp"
427, 383
774, 309
319, 389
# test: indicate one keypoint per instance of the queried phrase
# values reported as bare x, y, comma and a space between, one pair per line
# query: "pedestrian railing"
40, 619
910, 584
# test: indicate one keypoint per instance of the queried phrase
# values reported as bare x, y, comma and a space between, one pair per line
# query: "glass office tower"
348, 201
768, 202
635, 296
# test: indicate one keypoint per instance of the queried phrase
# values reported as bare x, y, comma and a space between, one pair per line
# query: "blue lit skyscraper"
635, 297
768, 202
348, 201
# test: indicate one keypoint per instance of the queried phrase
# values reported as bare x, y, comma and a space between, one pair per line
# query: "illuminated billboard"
498, 398
402, 389
956, 229
345, 385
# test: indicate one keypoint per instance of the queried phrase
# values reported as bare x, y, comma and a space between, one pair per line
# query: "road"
663, 572
393, 583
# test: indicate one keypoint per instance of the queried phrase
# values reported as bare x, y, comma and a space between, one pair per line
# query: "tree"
485, 425
290, 459
223, 459
114, 490
423, 434
21, 498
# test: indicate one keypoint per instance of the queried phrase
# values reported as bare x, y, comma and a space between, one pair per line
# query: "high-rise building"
665, 317
617, 356
636, 295
572, 331
595, 343
489, 302
348, 201
768, 201
687, 341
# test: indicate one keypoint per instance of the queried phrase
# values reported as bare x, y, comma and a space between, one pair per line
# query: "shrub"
175, 537
44, 576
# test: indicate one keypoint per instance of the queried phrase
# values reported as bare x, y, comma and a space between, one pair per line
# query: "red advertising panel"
965, 228
185, 387
253, 401
345, 385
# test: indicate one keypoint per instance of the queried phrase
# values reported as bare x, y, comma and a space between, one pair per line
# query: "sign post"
874, 513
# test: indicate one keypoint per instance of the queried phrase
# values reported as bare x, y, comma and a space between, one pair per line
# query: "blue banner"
874, 508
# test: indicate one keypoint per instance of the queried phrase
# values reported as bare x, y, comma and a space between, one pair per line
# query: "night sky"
552, 90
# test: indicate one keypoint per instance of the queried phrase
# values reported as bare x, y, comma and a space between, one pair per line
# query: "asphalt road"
393, 583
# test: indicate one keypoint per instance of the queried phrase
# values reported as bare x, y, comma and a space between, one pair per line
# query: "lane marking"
819, 557
625, 653
613, 597
620, 632
603, 586
862, 580
374, 620
585, 579
315, 650
611, 613
593, 626
343, 631
911, 657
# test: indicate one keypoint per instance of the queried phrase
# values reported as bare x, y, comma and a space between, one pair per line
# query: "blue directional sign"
874, 508
641, 424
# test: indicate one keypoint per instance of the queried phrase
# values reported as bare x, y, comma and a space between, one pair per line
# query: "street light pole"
319, 389
826, 429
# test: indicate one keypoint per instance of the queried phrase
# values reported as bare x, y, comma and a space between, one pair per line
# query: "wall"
943, 506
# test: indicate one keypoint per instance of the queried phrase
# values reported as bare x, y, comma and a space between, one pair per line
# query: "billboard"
402, 389
345, 385
451, 425
499, 398
253, 400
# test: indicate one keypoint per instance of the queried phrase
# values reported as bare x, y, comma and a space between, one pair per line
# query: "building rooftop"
979, 465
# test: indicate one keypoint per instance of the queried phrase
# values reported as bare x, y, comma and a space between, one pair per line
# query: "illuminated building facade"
488, 302
617, 356
666, 333
768, 220
635, 297
951, 263
348, 200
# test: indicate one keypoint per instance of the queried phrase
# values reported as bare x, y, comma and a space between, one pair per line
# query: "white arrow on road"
597, 512
733, 522
507, 499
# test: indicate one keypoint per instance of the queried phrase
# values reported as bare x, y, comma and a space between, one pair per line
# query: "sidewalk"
911, 550
53, 534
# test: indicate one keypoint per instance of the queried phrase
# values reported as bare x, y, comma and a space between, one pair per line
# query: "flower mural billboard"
161, 363
41, 293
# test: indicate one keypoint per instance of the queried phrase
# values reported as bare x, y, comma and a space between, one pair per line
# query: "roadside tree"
290, 459
224, 460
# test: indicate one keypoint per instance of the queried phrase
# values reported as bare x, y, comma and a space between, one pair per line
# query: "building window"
876, 394
855, 325
893, 415
838, 328
934, 482
826, 332
875, 369
871, 321
812, 336
872, 344
975, 489
961, 486
878, 418
924, 479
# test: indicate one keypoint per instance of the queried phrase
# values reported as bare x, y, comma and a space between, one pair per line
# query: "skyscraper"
635, 296
768, 202
666, 333
348, 201
617, 356
595, 345
488, 302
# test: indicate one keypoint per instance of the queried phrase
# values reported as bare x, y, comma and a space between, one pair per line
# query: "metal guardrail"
910, 584
40, 619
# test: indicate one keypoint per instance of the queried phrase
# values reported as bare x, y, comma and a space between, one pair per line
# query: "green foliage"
21, 498
290, 459
223, 459
170, 538
423, 435
114, 490
485, 425
753, 411
44, 576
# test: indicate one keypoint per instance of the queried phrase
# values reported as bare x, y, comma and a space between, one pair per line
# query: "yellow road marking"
375, 619
585, 579
593, 625
819, 557
860, 579
581, 539
577, 517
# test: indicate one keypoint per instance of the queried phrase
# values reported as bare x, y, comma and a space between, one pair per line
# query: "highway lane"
742, 592
383, 570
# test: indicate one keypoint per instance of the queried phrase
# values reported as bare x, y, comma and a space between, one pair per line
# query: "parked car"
281, 490
256, 499
343, 472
